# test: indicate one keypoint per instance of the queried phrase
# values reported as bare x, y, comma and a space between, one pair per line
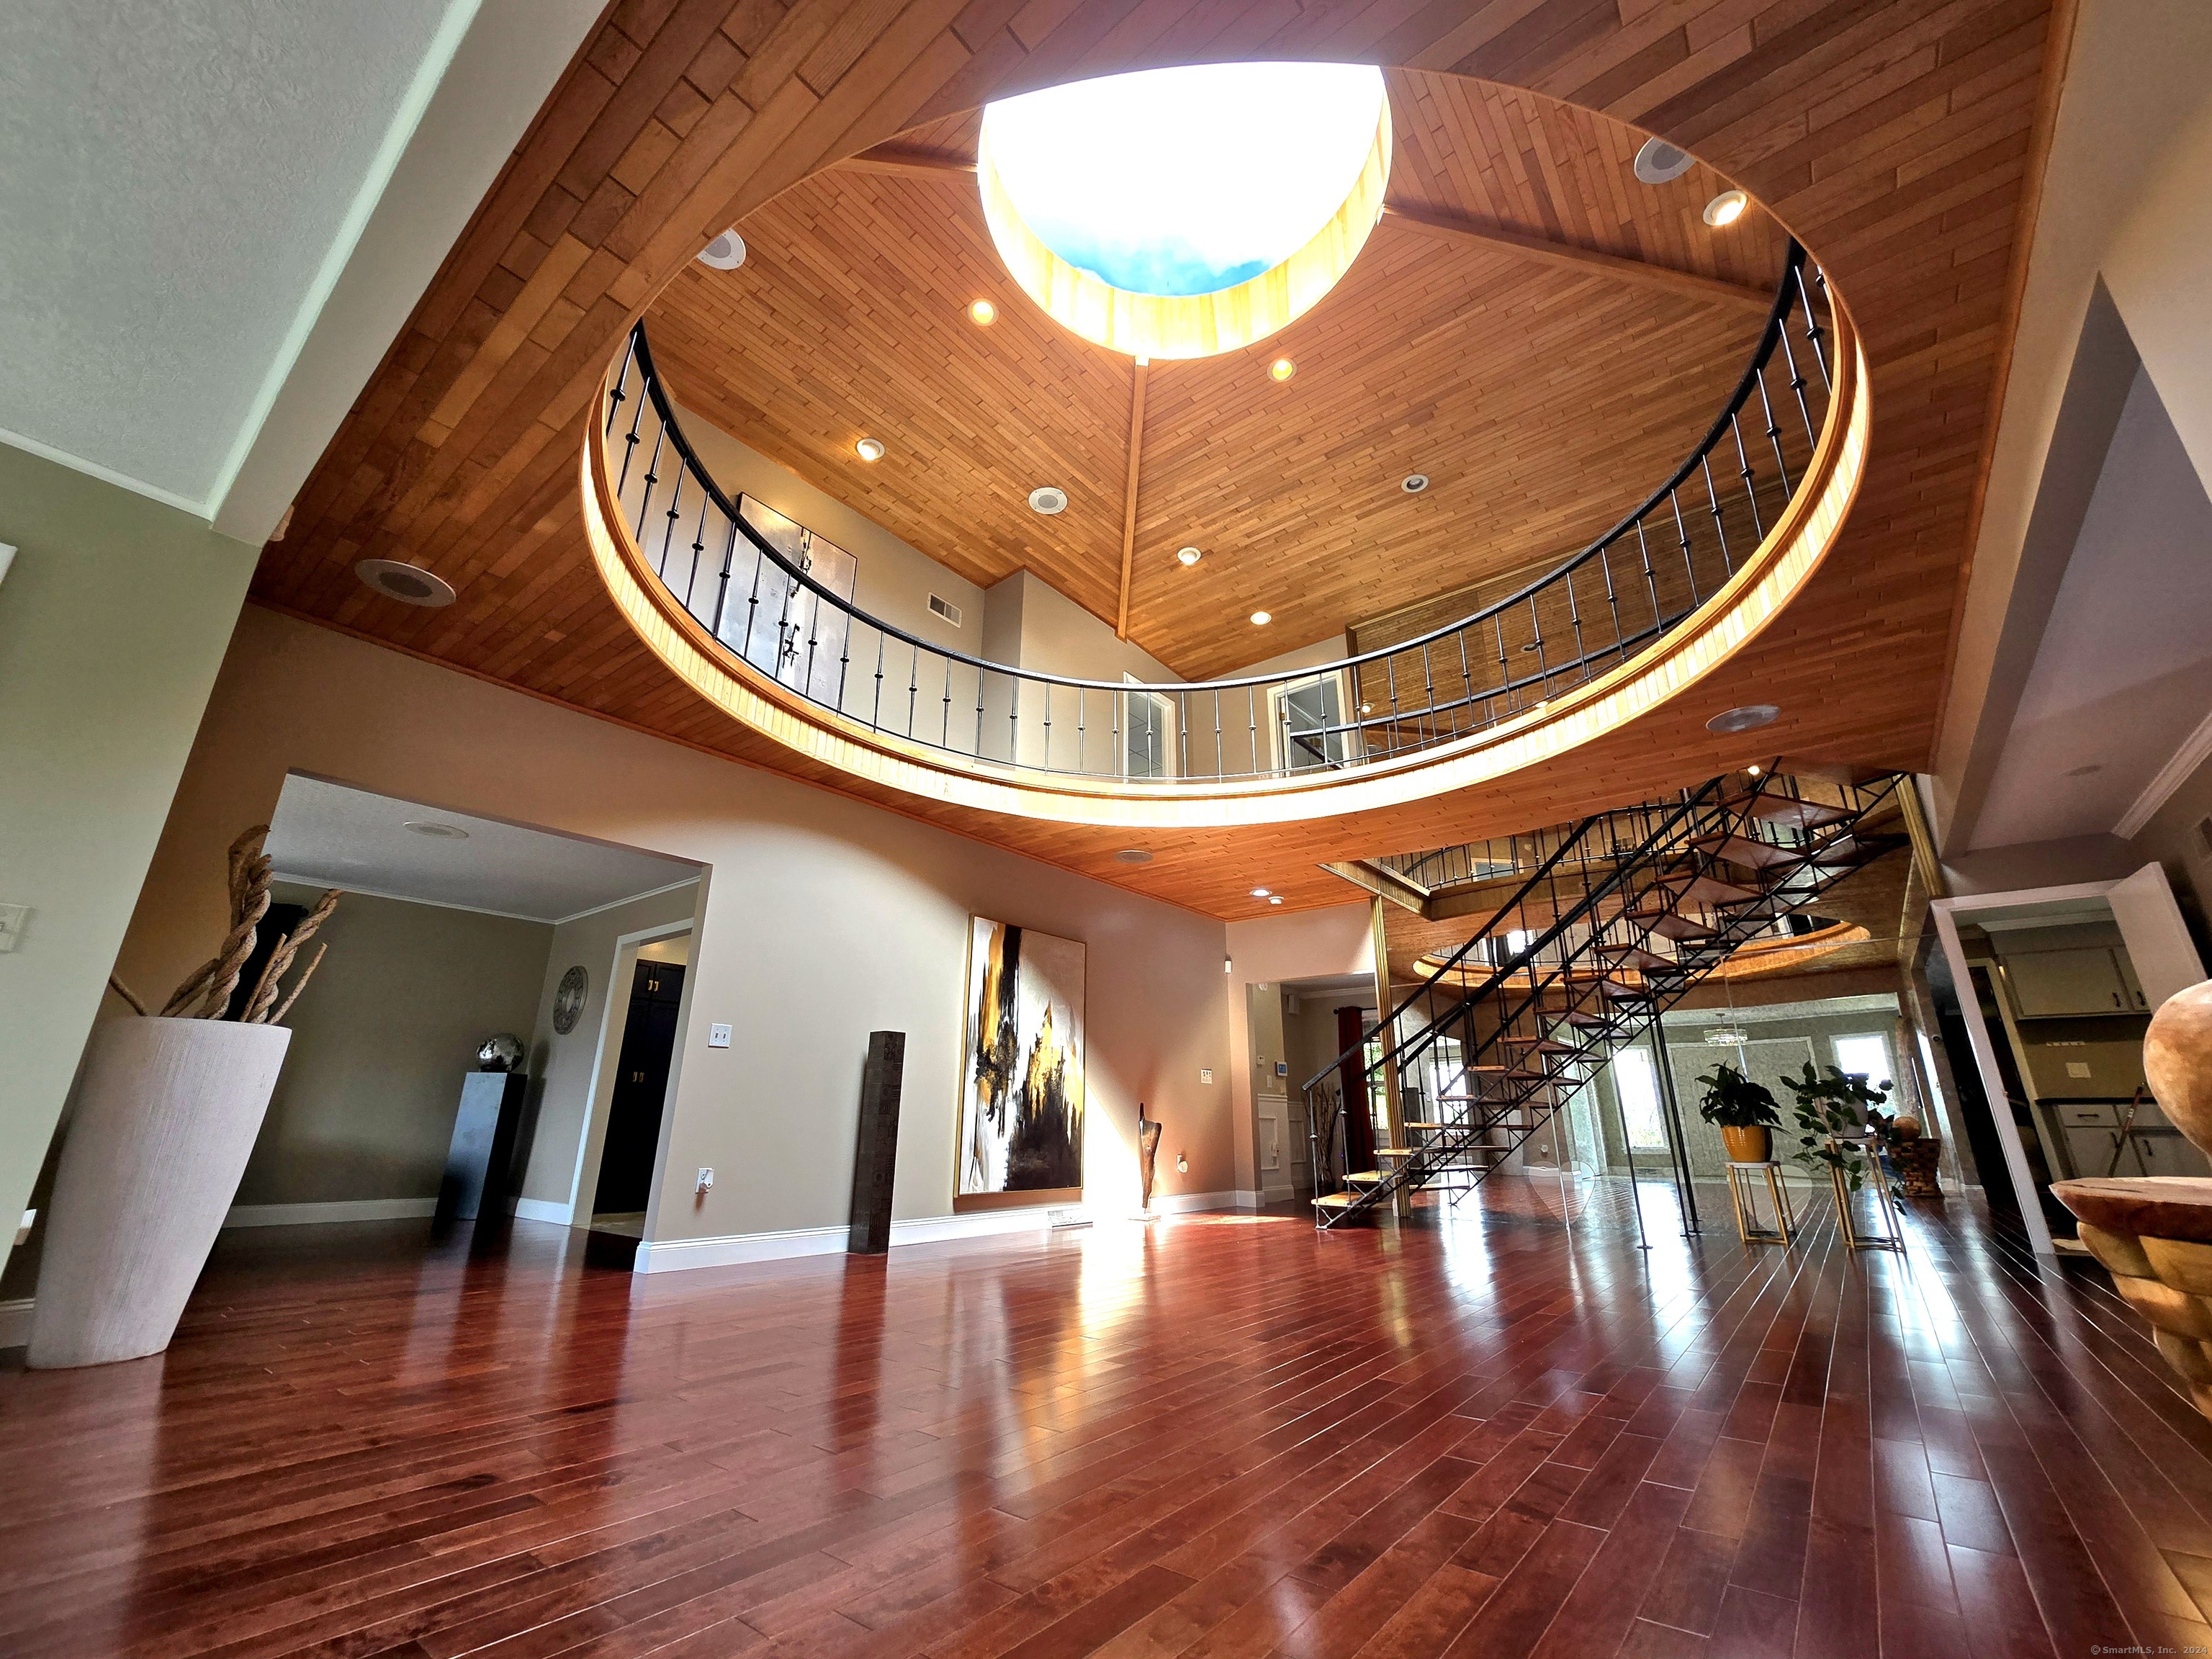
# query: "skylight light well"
1183, 212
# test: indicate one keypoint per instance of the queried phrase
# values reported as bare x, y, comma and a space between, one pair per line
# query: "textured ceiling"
1543, 400
177, 176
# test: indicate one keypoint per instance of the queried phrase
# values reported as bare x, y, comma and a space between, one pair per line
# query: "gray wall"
380, 1039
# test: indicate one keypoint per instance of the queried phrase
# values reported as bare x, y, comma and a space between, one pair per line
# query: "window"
1637, 1086
1309, 721
1866, 1056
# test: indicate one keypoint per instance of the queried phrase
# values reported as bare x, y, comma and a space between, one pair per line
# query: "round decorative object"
568, 1001
500, 1053
2177, 1061
1905, 1128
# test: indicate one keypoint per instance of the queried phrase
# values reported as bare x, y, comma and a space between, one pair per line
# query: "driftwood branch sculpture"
207, 993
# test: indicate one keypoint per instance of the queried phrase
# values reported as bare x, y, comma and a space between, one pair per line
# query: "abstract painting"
1022, 1069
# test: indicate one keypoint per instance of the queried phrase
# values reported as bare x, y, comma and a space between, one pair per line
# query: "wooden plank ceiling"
1897, 139
1542, 399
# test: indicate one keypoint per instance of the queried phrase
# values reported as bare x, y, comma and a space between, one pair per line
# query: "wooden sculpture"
1148, 1154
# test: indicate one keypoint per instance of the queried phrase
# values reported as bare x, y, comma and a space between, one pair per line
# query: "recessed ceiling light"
1274, 898
1262, 618
1188, 556
435, 831
1366, 708
1748, 718
1413, 483
726, 253
409, 584
1281, 369
1133, 855
983, 314
1259, 892
1725, 209
1660, 162
869, 449
1754, 770
1048, 498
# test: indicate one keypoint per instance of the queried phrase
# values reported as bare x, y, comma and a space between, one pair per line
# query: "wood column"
1129, 494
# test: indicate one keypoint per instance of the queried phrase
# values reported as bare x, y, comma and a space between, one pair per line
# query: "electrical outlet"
12, 918
717, 1036
705, 1179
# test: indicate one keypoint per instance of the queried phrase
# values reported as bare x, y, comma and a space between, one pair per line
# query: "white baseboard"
1184, 1203
543, 1209
1270, 1195
737, 1249
305, 1215
15, 1322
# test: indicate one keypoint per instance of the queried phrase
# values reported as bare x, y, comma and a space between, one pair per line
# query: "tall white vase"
167, 1110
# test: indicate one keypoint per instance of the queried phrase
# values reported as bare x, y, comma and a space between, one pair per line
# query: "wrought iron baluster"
675, 510
1813, 331
622, 380
651, 477
1713, 498
1750, 485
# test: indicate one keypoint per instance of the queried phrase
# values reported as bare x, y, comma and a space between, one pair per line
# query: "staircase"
1621, 916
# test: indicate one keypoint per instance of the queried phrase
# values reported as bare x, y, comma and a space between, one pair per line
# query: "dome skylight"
1183, 212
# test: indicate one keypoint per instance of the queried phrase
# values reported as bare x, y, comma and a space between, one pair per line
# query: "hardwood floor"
1495, 1436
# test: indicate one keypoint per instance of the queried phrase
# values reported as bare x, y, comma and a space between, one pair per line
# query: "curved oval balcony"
727, 598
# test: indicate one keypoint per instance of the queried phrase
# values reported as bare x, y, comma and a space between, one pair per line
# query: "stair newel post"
1678, 1151
1313, 1148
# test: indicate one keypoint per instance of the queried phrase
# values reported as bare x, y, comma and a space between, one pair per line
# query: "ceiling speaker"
1660, 162
726, 253
409, 584
1048, 498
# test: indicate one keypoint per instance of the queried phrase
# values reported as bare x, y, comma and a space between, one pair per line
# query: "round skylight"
1183, 212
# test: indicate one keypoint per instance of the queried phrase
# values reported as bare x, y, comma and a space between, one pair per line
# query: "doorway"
631, 1145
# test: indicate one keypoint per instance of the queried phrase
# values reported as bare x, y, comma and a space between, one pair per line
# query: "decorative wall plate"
568, 1001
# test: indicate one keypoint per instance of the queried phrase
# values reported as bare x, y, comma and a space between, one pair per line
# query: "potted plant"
168, 1107
1745, 1112
1833, 1113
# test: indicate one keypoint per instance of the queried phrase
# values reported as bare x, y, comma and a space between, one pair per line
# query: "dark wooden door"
648, 1046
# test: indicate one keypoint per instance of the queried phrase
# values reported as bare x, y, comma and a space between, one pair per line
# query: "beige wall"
823, 919
112, 623
579, 1069
381, 1040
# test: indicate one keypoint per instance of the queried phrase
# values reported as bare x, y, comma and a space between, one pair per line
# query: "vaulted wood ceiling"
1544, 398
1901, 141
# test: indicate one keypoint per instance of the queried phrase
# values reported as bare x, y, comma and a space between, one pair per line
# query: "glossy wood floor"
1497, 1437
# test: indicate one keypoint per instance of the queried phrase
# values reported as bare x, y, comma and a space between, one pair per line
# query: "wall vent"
945, 609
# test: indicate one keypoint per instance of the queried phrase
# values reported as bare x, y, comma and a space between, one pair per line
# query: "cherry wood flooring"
1504, 1434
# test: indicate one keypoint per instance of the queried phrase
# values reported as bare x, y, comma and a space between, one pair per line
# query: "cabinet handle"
2116, 1000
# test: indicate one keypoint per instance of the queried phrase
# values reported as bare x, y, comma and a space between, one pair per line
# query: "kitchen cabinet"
2086, 980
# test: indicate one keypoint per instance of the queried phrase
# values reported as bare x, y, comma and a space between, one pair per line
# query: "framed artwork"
1023, 1070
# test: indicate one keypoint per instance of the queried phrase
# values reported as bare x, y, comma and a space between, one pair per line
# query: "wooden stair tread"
1336, 1201
1636, 956
1711, 891
1746, 850
1669, 925
1782, 810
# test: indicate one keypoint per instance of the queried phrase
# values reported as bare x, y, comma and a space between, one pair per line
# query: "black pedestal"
876, 1155
480, 1162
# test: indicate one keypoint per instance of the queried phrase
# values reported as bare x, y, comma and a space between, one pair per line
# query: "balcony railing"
758, 603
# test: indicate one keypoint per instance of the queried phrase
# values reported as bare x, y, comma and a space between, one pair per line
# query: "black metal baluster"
1750, 484
1713, 499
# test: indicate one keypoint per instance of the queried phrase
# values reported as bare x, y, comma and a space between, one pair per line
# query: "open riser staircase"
1623, 914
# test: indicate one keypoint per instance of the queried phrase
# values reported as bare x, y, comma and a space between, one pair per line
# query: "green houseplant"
1839, 1105
1745, 1111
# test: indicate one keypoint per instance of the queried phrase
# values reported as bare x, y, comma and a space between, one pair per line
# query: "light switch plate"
12, 918
717, 1036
